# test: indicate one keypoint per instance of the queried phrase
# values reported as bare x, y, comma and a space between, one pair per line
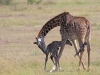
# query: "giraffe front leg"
60, 52
59, 68
62, 48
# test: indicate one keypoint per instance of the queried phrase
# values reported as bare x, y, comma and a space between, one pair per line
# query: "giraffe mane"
50, 24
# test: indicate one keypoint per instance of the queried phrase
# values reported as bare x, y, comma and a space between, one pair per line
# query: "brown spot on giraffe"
72, 28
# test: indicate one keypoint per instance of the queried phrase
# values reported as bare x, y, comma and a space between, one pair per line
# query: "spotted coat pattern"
72, 28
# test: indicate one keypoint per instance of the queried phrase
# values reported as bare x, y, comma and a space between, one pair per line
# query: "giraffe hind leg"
75, 46
88, 51
81, 51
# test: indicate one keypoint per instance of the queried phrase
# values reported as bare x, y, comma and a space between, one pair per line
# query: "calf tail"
68, 42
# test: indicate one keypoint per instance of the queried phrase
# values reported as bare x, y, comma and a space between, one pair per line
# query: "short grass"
20, 24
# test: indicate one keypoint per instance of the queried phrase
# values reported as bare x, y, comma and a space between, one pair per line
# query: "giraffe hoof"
59, 68
85, 69
44, 68
51, 71
79, 68
88, 69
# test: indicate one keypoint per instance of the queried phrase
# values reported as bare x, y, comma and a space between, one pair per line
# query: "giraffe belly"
72, 36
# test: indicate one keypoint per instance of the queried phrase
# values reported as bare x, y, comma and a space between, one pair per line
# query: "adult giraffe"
72, 28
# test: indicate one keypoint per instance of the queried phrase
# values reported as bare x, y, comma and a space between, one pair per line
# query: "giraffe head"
40, 42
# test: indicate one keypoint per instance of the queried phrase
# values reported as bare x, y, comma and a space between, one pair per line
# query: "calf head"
40, 43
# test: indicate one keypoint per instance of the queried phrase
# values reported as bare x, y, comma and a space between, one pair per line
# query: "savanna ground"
20, 24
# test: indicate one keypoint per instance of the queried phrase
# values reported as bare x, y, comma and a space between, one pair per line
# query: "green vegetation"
20, 23
34, 1
5, 2
30, 1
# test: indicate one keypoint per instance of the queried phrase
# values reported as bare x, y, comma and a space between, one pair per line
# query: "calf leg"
55, 64
46, 59
52, 59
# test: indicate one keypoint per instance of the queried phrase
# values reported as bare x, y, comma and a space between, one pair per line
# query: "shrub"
34, 1
5, 2
30, 1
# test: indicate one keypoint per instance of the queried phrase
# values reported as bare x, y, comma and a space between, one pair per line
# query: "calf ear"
36, 38
35, 42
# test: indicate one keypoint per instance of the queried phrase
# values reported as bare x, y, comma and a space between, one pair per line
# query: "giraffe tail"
83, 46
87, 38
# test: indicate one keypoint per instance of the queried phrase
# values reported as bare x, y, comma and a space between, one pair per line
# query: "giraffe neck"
44, 50
54, 22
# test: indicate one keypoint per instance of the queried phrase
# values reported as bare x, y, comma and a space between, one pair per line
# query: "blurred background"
20, 23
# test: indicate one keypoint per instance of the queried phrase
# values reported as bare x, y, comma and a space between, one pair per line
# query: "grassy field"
20, 24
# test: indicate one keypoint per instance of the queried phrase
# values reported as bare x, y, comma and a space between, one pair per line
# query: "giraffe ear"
35, 42
36, 38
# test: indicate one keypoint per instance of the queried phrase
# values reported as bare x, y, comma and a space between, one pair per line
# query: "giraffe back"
77, 28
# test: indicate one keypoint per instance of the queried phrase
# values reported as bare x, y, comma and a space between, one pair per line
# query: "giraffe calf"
52, 49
